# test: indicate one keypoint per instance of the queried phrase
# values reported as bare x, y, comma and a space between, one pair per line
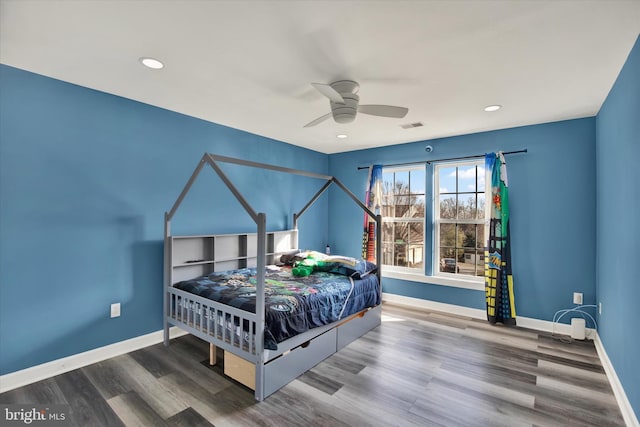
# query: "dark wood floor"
418, 368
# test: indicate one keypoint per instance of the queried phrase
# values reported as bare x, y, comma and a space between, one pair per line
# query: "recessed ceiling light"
152, 63
341, 136
490, 108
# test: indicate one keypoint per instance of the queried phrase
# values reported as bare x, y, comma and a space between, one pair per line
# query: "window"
458, 218
403, 208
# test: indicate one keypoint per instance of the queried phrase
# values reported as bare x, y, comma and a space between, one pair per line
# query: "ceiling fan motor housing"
344, 103
345, 113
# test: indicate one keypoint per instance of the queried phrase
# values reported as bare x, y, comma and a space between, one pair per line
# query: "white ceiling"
249, 64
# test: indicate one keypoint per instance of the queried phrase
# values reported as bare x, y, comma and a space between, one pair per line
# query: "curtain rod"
428, 162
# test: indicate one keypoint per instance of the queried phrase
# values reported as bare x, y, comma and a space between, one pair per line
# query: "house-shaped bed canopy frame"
258, 357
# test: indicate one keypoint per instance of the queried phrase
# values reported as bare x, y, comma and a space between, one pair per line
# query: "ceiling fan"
344, 101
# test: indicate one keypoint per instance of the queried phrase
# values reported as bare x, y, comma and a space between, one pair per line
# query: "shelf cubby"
194, 256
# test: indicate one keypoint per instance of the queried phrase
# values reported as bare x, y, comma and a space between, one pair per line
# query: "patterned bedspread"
293, 304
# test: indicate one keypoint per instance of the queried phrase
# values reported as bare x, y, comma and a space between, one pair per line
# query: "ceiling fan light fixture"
342, 118
490, 108
151, 63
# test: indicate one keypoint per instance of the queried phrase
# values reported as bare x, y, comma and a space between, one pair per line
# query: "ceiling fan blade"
329, 92
384, 110
318, 120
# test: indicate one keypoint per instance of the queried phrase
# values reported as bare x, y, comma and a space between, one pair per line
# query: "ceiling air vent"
412, 125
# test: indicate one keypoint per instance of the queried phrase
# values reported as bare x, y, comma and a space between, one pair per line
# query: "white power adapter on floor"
577, 328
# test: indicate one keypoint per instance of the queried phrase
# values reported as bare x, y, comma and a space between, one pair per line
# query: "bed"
239, 292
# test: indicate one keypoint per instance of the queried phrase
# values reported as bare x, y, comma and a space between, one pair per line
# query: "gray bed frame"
266, 370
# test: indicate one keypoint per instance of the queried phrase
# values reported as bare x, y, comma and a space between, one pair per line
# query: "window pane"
387, 254
387, 195
417, 178
461, 198
446, 252
387, 183
400, 255
416, 233
480, 243
473, 263
401, 185
448, 235
464, 266
467, 206
387, 243
415, 247
400, 233
481, 179
480, 263
403, 209
447, 206
410, 206
447, 180
416, 257
402, 206
467, 179
387, 232
418, 203
480, 207
467, 236
403, 244
448, 261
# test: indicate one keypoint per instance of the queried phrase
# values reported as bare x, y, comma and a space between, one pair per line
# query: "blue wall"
618, 229
552, 200
85, 179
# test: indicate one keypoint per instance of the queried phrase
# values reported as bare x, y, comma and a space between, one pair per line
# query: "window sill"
475, 285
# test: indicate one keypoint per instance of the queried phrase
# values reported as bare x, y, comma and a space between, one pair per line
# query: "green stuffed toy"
316, 261
311, 263
303, 268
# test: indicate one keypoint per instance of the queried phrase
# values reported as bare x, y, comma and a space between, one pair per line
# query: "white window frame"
412, 271
437, 222
432, 197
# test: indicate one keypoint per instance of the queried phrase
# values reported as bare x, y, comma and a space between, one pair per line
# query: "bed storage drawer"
290, 365
240, 370
357, 326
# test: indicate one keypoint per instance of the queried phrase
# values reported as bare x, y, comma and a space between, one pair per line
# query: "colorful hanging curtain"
373, 200
497, 254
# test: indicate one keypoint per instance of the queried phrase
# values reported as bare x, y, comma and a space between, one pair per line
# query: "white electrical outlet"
577, 298
115, 310
599, 308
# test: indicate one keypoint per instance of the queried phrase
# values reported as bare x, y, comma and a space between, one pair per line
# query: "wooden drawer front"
289, 366
240, 370
358, 326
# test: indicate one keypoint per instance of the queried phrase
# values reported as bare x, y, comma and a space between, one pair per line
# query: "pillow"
347, 266
290, 257
361, 269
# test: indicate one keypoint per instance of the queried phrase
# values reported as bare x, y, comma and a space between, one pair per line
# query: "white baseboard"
623, 402
476, 313
60, 366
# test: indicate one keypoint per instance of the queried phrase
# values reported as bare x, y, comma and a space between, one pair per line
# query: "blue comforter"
293, 304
